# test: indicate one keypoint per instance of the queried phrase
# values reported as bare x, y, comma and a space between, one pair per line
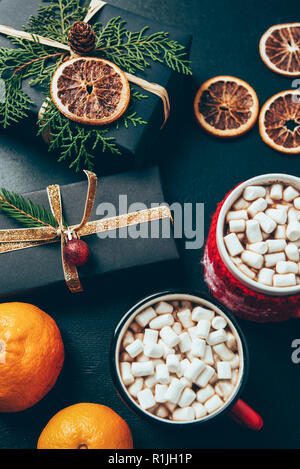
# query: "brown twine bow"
16, 239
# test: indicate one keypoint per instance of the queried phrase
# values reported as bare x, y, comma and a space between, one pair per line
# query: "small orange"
31, 355
86, 426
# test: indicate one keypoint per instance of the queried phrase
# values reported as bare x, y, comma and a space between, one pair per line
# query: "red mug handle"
245, 416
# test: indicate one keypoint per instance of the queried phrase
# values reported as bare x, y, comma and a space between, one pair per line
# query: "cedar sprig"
25, 211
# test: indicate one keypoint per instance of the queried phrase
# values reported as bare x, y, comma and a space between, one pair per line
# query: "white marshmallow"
259, 247
276, 191
160, 321
150, 336
194, 369
169, 336
233, 244
231, 341
128, 338
235, 362
173, 362
170, 406
174, 391
254, 192
289, 194
163, 308
217, 337
161, 412
253, 232
184, 415
135, 348
153, 350
185, 317
292, 252
145, 317
160, 393
265, 276
203, 328
279, 232
213, 404
193, 332
266, 223
142, 368
224, 389
278, 215
199, 410
141, 358
205, 393
237, 215
205, 376
285, 280
224, 352
127, 377
162, 373
258, 205
146, 399
183, 365
243, 268
237, 226
297, 203
272, 259
177, 328
208, 356
293, 230
241, 204
198, 347
202, 313
219, 322
136, 387
224, 370
287, 267
150, 382
276, 245
167, 350
185, 343
187, 397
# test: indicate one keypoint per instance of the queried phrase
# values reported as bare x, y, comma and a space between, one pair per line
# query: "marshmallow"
241, 204
285, 280
276, 191
267, 224
177, 328
142, 368
160, 321
150, 336
194, 369
170, 406
213, 404
224, 389
187, 397
279, 232
145, 317
258, 205
286, 267
292, 252
135, 348
199, 410
126, 374
272, 259
136, 387
233, 244
161, 412
237, 215
193, 332
205, 393
167, 350
153, 350
224, 352
184, 415
184, 342
160, 392
237, 226
219, 322
174, 391
217, 337
202, 313
185, 317
169, 336
141, 358
208, 356
231, 341
278, 215
253, 232
163, 308
297, 203
265, 276
162, 373
254, 192
293, 230
146, 399
235, 362
243, 268
289, 194
128, 338
198, 347
224, 370
259, 247
150, 382
173, 363
183, 365
276, 245
205, 376
203, 328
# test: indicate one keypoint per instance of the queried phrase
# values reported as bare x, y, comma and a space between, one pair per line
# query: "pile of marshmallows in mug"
262, 234
179, 361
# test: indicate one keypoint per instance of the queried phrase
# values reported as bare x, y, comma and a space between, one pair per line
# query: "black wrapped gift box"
135, 142
40, 266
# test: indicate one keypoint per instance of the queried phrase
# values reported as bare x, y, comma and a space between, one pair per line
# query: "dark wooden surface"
195, 168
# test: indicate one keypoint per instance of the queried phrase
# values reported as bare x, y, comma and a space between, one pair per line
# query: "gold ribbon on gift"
95, 6
15, 239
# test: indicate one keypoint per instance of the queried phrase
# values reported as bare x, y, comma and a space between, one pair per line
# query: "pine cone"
81, 38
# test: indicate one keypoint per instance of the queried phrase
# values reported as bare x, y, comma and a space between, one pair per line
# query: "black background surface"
195, 168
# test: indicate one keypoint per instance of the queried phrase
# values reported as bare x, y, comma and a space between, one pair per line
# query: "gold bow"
15, 239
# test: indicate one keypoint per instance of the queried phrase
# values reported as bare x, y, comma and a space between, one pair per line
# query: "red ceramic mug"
235, 407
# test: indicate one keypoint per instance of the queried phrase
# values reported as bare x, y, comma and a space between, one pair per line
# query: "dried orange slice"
90, 90
226, 106
279, 48
279, 122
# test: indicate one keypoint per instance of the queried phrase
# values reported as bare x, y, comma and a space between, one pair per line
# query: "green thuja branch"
25, 211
